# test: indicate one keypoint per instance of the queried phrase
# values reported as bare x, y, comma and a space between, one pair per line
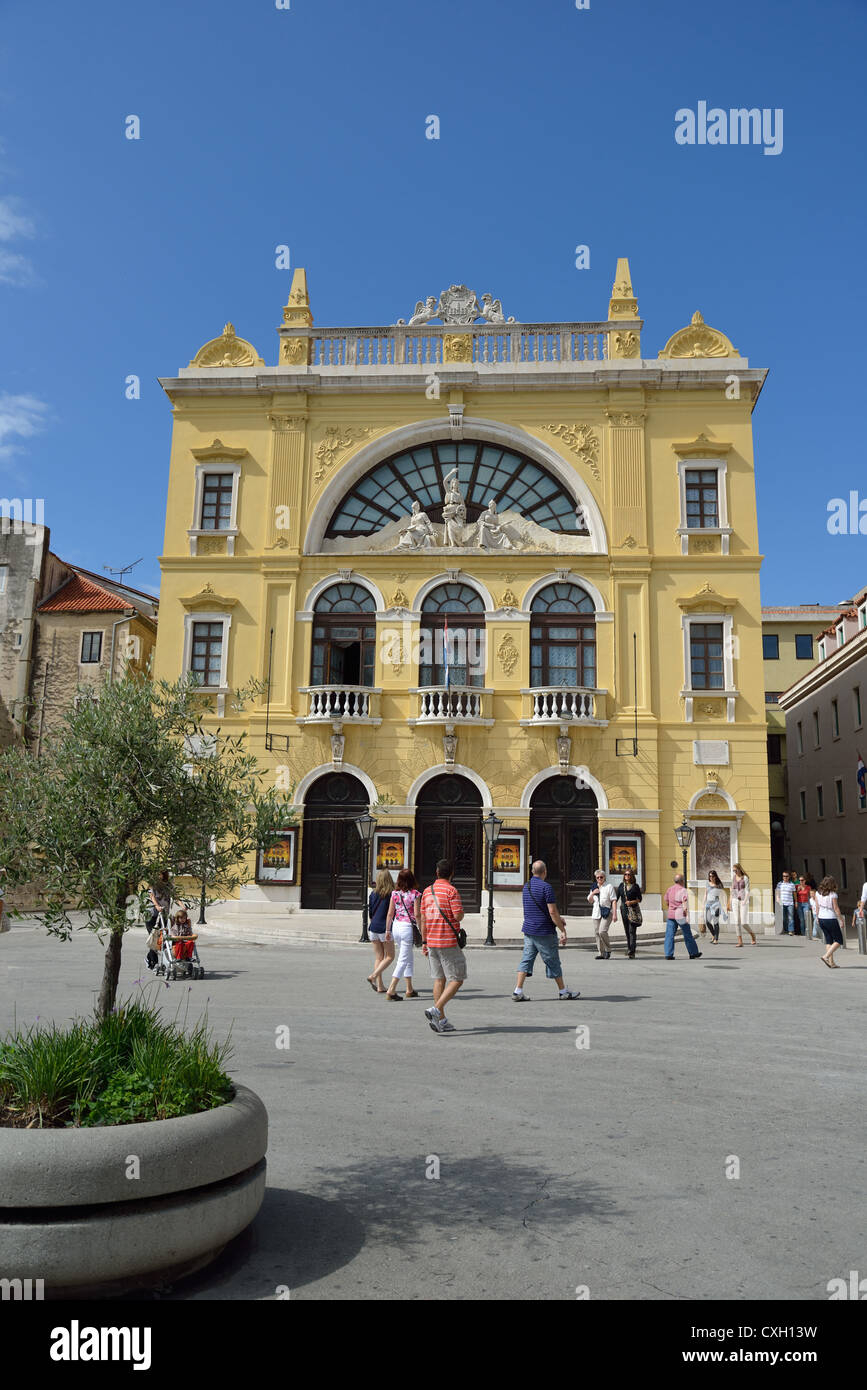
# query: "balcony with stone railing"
480, 345
345, 704
454, 704
564, 704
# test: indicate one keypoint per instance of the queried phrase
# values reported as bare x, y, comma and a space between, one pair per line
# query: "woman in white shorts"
404, 913
739, 903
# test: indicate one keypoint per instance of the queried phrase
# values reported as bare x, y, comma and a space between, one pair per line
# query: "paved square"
559, 1167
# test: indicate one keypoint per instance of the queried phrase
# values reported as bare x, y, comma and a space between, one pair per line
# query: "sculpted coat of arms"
457, 305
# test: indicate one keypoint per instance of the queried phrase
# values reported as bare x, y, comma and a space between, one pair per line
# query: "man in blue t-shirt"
540, 920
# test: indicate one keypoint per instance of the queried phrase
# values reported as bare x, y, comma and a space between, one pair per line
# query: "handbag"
417, 939
458, 931
633, 913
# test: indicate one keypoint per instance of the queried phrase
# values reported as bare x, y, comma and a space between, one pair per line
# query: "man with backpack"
442, 942
541, 918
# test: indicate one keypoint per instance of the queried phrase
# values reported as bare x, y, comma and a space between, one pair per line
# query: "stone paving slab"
558, 1166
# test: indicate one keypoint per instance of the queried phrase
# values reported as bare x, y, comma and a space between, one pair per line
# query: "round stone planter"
108, 1210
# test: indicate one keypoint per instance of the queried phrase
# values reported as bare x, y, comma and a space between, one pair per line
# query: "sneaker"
607, 955
433, 1018
602, 957
520, 998
446, 1027
570, 994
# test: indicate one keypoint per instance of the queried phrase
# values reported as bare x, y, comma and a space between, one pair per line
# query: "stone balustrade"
562, 704
433, 345
454, 704
343, 702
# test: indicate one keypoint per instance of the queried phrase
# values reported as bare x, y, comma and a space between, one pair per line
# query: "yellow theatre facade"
481, 565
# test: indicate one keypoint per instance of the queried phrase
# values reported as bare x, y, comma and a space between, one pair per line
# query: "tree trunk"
110, 974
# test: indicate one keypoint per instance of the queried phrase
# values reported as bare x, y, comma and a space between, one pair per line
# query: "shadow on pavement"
299, 1238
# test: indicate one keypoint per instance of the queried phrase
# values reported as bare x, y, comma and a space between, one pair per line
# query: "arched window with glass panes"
344, 636
563, 638
452, 637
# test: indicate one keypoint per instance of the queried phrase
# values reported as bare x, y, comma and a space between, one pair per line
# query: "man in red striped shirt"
441, 914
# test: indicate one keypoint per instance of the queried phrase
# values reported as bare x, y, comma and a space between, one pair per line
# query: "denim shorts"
546, 947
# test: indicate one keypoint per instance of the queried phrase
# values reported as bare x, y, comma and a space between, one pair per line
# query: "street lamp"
492, 825
683, 834
365, 825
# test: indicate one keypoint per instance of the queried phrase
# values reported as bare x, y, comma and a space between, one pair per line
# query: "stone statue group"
488, 533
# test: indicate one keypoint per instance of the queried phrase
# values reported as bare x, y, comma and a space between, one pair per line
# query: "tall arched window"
563, 637
452, 637
344, 636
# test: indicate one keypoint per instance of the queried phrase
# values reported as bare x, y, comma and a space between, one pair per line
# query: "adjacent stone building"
789, 649
88, 630
482, 565
827, 742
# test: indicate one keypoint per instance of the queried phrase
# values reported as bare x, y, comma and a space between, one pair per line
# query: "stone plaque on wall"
710, 752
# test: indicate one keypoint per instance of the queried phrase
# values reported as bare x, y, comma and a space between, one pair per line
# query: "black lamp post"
365, 825
683, 835
492, 825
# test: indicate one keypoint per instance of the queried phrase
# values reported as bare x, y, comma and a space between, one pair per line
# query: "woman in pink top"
676, 900
403, 915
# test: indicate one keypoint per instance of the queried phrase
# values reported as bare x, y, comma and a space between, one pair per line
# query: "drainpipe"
114, 627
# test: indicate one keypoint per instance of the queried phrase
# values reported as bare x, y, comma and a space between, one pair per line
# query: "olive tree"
132, 784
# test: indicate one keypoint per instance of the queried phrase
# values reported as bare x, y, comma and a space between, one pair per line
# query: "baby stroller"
189, 967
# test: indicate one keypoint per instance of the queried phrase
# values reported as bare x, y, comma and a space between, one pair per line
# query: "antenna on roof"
128, 569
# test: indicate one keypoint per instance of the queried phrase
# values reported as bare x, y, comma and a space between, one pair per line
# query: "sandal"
411, 994
825, 961
372, 984
395, 998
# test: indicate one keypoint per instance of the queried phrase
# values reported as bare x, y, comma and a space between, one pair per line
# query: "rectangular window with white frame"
215, 502
206, 649
838, 795
708, 660
703, 501
91, 648
4, 576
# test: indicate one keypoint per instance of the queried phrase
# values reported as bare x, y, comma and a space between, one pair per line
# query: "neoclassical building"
481, 564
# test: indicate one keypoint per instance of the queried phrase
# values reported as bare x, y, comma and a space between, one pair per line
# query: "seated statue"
491, 534
418, 532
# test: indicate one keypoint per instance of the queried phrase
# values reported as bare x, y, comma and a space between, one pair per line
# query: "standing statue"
491, 534
454, 511
418, 532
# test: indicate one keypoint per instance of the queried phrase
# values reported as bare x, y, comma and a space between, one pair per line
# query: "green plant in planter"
129, 1066
132, 785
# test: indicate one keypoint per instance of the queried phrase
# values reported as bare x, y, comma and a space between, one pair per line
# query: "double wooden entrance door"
564, 832
333, 855
448, 825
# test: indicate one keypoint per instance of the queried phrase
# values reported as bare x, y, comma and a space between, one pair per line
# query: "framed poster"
510, 859
391, 850
278, 864
622, 850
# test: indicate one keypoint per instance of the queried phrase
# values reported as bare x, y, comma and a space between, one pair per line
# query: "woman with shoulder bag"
402, 924
713, 905
629, 896
602, 897
739, 903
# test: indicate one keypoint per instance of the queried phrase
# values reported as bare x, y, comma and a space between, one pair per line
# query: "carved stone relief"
336, 441
583, 441
507, 654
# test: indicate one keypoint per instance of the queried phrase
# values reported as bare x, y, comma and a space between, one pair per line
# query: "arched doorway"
564, 831
448, 825
332, 855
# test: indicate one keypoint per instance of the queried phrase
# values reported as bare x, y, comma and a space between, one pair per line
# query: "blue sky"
306, 126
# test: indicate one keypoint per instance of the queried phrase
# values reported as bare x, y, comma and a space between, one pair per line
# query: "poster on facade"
510, 859
622, 850
390, 851
713, 850
276, 864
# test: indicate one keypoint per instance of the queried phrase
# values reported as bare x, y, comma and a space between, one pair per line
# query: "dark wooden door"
332, 868
564, 833
449, 826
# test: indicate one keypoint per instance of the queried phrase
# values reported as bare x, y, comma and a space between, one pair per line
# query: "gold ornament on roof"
699, 340
227, 351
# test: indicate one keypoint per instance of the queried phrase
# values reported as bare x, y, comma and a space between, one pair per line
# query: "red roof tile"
80, 595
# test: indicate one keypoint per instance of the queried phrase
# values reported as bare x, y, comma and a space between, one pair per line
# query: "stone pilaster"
283, 528
628, 492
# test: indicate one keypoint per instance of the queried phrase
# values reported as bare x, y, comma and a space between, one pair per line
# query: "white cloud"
15, 225
20, 418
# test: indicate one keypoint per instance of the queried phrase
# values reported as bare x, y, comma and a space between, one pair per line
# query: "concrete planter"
74, 1214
